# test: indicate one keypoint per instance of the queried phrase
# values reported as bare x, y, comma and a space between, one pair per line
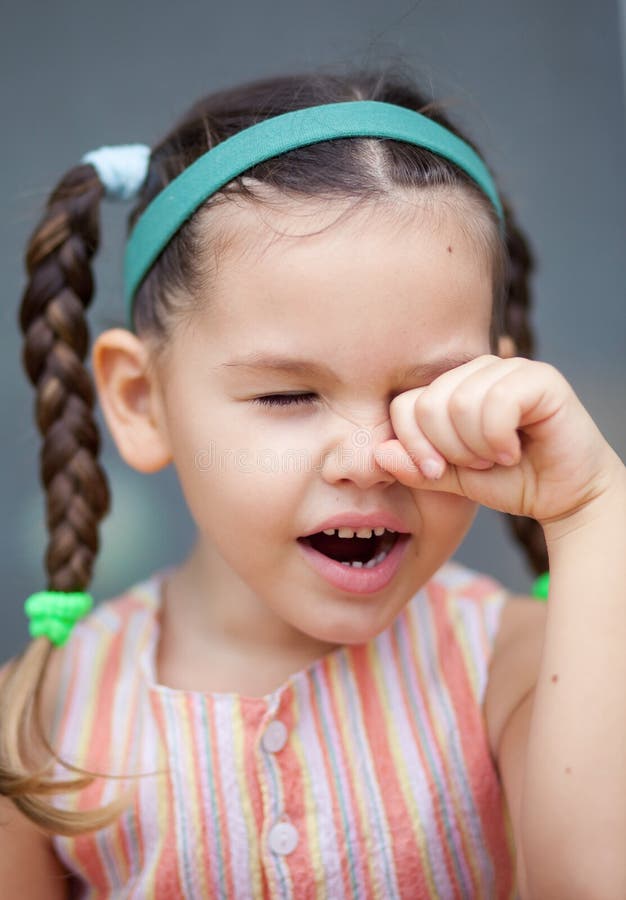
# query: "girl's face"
354, 308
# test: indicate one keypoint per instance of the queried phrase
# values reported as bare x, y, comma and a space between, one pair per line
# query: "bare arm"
573, 808
563, 760
29, 868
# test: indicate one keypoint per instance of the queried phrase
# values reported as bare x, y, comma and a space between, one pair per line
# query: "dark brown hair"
56, 336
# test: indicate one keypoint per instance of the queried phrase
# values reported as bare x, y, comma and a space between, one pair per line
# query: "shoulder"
96, 634
111, 615
116, 627
464, 588
474, 602
507, 629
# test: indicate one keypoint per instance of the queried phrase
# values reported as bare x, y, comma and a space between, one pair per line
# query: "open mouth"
355, 551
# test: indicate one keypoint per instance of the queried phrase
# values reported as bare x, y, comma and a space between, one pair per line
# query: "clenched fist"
510, 434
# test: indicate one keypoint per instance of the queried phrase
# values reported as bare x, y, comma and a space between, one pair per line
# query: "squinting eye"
285, 399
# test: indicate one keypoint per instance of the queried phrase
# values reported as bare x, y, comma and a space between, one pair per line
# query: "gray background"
540, 85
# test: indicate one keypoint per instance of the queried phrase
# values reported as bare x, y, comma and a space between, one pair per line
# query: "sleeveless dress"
366, 775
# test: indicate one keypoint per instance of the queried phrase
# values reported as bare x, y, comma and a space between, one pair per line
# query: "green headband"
179, 200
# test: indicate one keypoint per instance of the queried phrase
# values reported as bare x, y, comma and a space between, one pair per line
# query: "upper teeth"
360, 532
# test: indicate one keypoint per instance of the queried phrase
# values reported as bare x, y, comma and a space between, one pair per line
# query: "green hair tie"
541, 586
53, 614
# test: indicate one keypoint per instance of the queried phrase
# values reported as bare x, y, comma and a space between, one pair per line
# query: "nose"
351, 457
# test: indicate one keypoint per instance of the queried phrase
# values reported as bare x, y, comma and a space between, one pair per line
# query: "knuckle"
552, 372
424, 406
461, 403
492, 433
499, 392
396, 404
415, 445
466, 456
401, 407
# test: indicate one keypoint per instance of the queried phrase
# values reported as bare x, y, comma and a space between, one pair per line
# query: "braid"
56, 339
526, 531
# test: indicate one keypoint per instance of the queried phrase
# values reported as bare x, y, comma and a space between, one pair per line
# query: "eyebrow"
307, 367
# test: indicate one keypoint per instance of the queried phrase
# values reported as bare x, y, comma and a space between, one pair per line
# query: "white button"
283, 838
275, 736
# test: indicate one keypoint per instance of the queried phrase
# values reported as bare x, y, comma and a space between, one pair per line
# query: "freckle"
449, 249
554, 679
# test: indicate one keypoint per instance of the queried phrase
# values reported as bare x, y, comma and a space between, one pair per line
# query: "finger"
392, 456
413, 447
487, 487
466, 406
425, 426
434, 419
522, 399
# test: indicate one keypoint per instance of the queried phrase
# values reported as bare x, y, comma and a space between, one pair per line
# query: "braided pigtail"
517, 324
56, 339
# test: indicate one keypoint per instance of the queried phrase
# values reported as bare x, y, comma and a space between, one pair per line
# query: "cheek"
246, 492
268, 459
249, 436
446, 518
242, 473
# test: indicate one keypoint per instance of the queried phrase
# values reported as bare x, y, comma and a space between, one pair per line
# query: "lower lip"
357, 581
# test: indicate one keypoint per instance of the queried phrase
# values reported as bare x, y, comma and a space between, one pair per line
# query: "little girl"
327, 337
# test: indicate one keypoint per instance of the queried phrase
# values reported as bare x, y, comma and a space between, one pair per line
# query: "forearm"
573, 812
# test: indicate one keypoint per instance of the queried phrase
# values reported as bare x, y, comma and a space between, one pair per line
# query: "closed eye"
285, 399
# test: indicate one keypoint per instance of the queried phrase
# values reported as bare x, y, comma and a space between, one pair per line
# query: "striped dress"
366, 774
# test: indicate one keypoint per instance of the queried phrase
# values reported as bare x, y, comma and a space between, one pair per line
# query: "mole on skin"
555, 678
449, 249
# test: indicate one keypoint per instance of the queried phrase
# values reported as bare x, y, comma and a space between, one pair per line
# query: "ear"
130, 396
506, 346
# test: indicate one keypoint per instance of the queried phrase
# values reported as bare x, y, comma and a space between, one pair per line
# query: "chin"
354, 628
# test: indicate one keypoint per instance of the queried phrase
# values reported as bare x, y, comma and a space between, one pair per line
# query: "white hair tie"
121, 169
